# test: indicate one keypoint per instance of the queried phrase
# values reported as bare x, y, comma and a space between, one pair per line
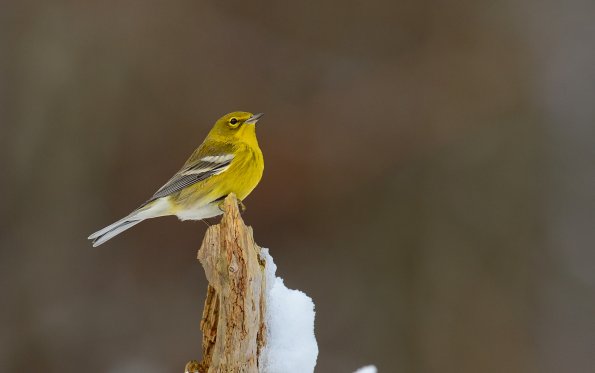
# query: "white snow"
291, 346
367, 369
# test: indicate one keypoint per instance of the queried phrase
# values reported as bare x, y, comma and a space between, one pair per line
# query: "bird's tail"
150, 209
114, 229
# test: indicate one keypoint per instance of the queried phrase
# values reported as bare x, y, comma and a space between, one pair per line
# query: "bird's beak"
253, 119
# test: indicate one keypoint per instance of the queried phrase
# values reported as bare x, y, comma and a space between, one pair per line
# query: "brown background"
429, 177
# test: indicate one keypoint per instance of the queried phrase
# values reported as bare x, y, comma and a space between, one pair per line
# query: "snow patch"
367, 369
291, 346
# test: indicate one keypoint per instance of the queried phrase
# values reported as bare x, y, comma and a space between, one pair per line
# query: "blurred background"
429, 177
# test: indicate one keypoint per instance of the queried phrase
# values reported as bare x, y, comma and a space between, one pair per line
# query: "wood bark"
233, 320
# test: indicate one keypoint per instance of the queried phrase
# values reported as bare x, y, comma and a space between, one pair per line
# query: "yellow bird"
228, 161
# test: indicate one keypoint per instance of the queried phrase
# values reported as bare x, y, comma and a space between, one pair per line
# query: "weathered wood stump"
232, 323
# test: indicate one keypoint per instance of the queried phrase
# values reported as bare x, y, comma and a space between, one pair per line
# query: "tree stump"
233, 320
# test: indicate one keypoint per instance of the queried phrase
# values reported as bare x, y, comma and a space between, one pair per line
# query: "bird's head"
236, 126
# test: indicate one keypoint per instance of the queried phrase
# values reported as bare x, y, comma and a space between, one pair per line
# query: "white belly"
200, 212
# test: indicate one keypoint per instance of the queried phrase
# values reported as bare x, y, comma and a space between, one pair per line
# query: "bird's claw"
241, 205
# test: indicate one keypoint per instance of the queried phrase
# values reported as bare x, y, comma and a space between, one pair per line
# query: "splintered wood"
233, 317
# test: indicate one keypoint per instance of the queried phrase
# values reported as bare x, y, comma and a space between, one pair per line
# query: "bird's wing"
197, 168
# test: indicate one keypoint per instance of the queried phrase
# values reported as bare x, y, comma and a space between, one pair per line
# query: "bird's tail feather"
112, 230
151, 209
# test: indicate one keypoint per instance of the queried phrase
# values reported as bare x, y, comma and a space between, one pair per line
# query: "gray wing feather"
199, 171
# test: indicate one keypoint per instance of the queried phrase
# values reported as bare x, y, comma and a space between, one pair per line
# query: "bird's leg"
241, 206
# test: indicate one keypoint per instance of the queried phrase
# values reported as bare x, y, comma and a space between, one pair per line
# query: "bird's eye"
233, 121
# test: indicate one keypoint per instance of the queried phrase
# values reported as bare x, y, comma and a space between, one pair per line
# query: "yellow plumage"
228, 161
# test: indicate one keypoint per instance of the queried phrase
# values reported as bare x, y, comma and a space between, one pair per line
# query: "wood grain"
232, 323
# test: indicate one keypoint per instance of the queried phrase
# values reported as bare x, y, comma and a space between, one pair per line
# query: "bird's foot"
241, 206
